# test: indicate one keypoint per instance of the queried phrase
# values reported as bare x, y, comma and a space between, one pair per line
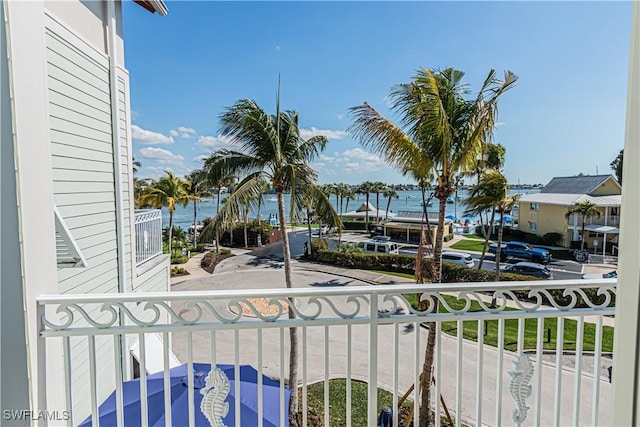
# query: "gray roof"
575, 184
408, 216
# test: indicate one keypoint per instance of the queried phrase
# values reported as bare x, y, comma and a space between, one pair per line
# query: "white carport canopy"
154, 352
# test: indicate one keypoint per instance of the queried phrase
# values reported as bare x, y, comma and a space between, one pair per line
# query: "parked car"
523, 251
528, 269
609, 275
460, 258
379, 246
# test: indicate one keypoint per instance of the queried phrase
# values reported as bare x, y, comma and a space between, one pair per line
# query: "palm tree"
378, 187
349, 194
366, 188
218, 178
492, 192
135, 164
441, 126
196, 181
270, 148
389, 193
167, 191
586, 210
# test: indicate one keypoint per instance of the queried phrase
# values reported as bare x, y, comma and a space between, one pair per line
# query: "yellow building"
546, 212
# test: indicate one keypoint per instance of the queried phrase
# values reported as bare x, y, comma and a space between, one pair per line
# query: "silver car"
460, 258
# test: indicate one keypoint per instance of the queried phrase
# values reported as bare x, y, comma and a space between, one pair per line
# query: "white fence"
366, 333
603, 259
148, 228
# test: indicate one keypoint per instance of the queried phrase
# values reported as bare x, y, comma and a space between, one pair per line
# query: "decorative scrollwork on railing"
520, 387
113, 313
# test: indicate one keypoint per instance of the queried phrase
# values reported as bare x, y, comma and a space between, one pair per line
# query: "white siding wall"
84, 187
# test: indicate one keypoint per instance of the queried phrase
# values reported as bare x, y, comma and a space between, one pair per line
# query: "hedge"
451, 273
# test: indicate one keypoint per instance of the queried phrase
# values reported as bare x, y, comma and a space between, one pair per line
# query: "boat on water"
272, 199
450, 200
429, 204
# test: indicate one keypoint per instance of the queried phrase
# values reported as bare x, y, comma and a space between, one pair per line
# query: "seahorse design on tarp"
520, 387
215, 393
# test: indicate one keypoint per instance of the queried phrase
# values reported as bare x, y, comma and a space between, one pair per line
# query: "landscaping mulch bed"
210, 260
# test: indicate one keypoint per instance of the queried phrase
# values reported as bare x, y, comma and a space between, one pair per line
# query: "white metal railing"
367, 333
148, 227
611, 220
603, 259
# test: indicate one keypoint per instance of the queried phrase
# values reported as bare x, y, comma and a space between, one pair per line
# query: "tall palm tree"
167, 191
349, 194
378, 187
492, 192
270, 148
219, 178
389, 193
366, 188
196, 182
439, 124
586, 210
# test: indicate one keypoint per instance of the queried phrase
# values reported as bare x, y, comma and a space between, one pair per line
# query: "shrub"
179, 260
353, 225
319, 245
178, 271
224, 251
349, 248
552, 239
448, 237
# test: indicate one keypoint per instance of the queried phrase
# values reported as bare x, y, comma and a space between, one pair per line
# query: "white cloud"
500, 124
144, 136
328, 133
183, 132
161, 156
200, 158
214, 143
340, 116
354, 160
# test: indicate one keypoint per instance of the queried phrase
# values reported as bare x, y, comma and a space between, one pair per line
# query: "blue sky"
565, 115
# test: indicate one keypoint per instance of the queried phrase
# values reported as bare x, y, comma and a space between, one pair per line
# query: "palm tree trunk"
217, 232
386, 213
341, 200
498, 249
377, 202
195, 214
293, 332
487, 236
346, 208
169, 236
309, 228
245, 214
427, 418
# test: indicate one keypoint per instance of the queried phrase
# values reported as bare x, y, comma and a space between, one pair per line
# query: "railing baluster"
165, 379
438, 363
479, 372
117, 356
294, 388
578, 374
190, 379
396, 345
147, 223
304, 379
143, 380
596, 370
66, 349
538, 372
499, 372
558, 386
236, 373
372, 403
95, 419
260, 390
459, 340
416, 376
326, 376
348, 375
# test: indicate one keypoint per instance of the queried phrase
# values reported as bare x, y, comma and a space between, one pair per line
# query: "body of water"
407, 201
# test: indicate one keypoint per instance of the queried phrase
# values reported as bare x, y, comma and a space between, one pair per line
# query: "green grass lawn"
468, 245
470, 330
473, 236
338, 405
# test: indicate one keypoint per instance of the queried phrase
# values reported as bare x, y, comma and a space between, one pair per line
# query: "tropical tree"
218, 177
616, 166
439, 124
492, 192
196, 182
366, 188
378, 187
135, 164
586, 210
389, 193
270, 148
167, 191
349, 194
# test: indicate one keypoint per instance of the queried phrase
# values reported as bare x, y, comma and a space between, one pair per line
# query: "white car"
460, 258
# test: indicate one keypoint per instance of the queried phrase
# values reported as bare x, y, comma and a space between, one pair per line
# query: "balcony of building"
540, 356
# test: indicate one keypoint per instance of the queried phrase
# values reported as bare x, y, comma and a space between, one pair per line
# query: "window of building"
614, 211
534, 206
533, 226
